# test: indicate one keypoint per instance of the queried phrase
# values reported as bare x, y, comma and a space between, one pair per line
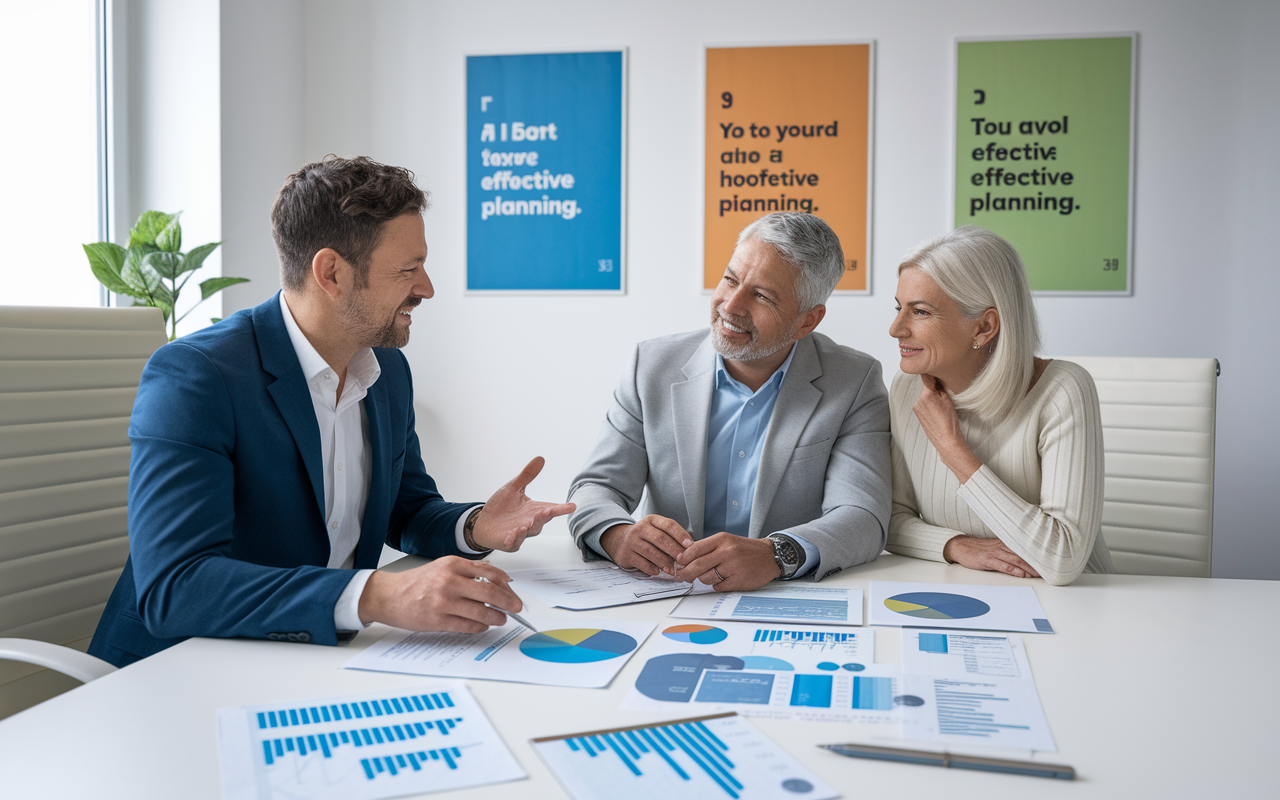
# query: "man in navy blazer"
274, 453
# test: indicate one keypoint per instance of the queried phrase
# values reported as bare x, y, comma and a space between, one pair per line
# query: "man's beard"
359, 317
753, 350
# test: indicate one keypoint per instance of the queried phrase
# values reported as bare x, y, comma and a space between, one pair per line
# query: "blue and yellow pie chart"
936, 605
577, 645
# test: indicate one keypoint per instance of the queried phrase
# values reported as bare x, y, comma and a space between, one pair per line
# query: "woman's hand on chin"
938, 419
987, 554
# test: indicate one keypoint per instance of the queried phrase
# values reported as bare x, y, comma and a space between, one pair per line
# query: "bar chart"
764, 606
719, 756
362, 747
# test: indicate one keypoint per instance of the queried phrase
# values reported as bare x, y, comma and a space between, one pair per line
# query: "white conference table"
1152, 686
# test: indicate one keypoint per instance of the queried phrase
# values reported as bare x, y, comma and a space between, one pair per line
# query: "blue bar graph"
393, 765
756, 606
661, 747
874, 694
802, 637
933, 643
812, 690
311, 715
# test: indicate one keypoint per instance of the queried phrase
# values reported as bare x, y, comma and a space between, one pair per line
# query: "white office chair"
1158, 417
68, 377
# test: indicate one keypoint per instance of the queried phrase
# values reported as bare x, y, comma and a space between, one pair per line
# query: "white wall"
500, 379
173, 157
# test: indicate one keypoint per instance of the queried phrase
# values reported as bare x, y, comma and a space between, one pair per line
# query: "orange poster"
789, 129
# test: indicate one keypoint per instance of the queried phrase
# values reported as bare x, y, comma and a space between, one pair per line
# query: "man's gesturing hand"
651, 545
509, 516
743, 563
444, 595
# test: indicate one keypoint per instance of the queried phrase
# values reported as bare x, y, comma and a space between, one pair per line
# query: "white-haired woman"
997, 454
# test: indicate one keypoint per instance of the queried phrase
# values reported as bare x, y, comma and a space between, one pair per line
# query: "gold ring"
716, 570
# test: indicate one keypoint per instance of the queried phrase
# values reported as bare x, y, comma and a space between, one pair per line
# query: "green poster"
1044, 155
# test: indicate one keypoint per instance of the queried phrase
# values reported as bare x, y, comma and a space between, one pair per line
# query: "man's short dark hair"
339, 203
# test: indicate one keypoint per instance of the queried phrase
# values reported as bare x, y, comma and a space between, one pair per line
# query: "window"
50, 189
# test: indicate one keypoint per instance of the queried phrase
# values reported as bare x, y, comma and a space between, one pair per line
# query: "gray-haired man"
763, 447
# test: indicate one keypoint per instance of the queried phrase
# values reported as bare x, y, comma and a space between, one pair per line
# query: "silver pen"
511, 614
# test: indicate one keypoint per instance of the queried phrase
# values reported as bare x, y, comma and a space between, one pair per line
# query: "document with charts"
424, 738
786, 671
964, 653
980, 685
800, 603
956, 605
705, 757
585, 653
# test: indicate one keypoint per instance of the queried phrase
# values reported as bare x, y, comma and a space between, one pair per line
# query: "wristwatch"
787, 553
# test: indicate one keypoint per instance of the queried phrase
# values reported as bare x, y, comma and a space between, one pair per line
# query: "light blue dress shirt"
736, 432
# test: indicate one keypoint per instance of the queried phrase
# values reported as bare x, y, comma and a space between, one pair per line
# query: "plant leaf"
169, 239
166, 265
195, 259
144, 281
214, 285
148, 227
106, 260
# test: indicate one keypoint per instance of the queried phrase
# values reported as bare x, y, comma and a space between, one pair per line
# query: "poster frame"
871, 151
623, 169
1128, 291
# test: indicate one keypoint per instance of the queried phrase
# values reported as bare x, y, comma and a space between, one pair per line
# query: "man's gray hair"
806, 243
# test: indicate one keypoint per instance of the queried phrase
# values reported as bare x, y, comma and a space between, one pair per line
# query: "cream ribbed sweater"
1039, 488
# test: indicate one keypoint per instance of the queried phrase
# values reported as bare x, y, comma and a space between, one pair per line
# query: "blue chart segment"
673, 677
363, 709
802, 637
359, 737
384, 723
757, 606
933, 643
873, 693
388, 764
577, 645
812, 690
660, 747
719, 686
936, 605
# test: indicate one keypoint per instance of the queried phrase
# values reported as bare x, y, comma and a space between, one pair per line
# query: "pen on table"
1033, 768
511, 614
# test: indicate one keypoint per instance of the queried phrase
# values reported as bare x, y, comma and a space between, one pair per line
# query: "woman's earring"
976, 345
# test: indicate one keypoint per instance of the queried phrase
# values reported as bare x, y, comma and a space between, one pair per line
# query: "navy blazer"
226, 494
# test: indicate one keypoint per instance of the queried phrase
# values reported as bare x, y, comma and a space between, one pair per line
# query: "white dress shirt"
346, 458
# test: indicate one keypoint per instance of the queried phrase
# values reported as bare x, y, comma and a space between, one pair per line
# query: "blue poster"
545, 189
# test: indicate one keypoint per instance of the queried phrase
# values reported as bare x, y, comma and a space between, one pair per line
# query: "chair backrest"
68, 377
1158, 433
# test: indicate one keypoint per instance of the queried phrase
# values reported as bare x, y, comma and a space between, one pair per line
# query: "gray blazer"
824, 469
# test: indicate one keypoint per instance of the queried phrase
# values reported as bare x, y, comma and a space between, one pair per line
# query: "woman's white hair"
979, 270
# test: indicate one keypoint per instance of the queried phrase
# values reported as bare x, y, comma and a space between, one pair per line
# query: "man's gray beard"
753, 350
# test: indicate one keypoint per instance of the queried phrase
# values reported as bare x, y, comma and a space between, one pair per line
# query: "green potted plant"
153, 269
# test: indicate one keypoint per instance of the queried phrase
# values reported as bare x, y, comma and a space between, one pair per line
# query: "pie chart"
936, 605
577, 645
696, 634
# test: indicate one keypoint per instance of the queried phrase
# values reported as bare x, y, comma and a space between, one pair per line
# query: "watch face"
787, 551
